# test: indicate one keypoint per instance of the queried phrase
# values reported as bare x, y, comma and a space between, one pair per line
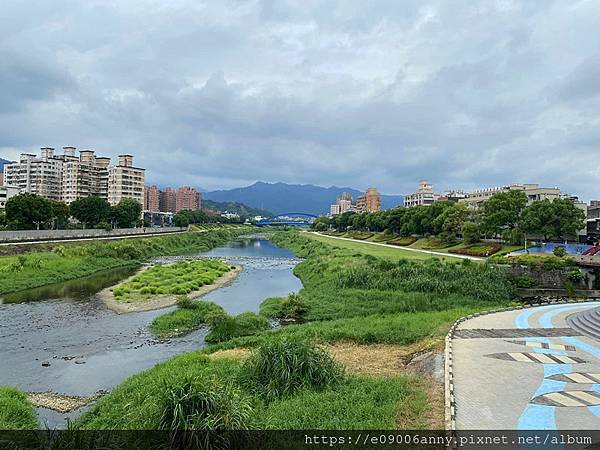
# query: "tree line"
189, 217
506, 215
31, 211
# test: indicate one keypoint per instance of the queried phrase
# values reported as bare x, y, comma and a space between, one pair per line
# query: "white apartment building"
343, 204
68, 177
533, 192
125, 181
7, 192
425, 196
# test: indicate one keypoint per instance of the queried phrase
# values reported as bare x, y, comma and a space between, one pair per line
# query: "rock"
79, 362
45, 364
429, 363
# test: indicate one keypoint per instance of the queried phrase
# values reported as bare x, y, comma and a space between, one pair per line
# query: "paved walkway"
398, 247
526, 369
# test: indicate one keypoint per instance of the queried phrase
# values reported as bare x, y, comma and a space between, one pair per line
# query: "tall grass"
190, 315
281, 367
16, 411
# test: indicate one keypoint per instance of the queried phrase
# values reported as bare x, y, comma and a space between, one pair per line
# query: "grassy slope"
76, 261
337, 314
393, 254
16, 412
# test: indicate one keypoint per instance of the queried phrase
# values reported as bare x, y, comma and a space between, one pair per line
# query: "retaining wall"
57, 235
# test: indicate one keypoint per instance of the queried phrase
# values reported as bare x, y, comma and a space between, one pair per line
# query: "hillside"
235, 207
282, 197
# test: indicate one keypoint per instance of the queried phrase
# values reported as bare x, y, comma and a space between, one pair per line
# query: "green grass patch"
180, 278
403, 241
184, 319
359, 404
432, 243
16, 411
223, 327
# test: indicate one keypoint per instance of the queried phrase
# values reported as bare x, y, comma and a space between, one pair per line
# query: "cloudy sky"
221, 93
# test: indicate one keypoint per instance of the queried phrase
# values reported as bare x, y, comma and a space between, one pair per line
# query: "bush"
292, 308
525, 281
184, 302
575, 276
283, 366
224, 327
560, 251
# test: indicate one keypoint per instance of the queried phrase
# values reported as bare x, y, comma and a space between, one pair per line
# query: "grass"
180, 278
16, 411
184, 319
350, 297
69, 262
360, 404
223, 327
375, 250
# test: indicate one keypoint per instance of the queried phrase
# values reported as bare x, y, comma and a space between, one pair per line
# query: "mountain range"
282, 197
235, 207
2, 162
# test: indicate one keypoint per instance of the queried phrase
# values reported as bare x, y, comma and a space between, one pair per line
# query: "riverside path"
528, 369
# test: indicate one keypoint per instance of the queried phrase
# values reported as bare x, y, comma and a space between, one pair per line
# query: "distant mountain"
235, 207
2, 162
282, 197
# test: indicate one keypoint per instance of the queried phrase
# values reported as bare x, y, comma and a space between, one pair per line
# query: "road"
526, 370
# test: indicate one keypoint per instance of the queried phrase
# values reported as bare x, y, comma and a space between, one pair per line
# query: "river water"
90, 348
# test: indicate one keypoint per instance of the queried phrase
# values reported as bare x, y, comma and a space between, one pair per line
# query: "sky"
220, 94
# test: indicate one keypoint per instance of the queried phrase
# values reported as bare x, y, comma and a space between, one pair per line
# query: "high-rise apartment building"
68, 177
423, 197
187, 198
125, 181
533, 192
6, 192
151, 199
342, 204
370, 201
168, 200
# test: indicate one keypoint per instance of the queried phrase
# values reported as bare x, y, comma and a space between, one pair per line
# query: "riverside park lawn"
359, 320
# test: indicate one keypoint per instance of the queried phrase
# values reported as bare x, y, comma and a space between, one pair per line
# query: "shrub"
224, 327
525, 281
184, 302
559, 251
292, 308
283, 366
575, 276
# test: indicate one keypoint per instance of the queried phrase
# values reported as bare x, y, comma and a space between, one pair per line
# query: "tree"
28, 211
502, 211
60, 213
451, 219
320, 224
127, 213
470, 232
91, 210
556, 219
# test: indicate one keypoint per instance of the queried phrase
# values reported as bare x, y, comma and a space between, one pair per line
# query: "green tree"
470, 232
451, 219
127, 213
91, 210
183, 218
320, 224
502, 211
556, 219
28, 211
60, 213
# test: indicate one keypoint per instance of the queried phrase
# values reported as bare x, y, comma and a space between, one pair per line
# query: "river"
90, 348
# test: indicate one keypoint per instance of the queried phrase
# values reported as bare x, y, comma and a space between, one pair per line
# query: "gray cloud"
219, 94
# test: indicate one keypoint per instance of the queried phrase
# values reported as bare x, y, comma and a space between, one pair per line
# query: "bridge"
289, 219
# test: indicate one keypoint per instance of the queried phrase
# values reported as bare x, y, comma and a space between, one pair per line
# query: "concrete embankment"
41, 236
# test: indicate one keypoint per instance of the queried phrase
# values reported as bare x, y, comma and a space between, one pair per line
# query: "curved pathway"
526, 369
397, 247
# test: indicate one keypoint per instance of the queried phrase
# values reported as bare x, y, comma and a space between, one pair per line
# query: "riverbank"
73, 261
162, 301
377, 319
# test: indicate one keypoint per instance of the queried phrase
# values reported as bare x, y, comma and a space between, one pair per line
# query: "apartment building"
151, 198
370, 201
68, 177
533, 192
424, 196
125, 181
342, 205
187, 198
168, 200
6, 192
